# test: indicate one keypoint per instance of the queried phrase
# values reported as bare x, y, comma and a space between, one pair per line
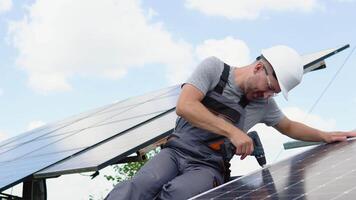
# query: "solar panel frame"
321, 58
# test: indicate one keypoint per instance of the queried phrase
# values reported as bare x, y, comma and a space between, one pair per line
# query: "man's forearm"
303, 132
198, 115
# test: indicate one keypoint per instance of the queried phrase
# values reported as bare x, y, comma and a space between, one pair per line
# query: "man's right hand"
243, 144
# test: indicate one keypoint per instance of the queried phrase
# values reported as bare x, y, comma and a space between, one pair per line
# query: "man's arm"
303, 132
189, 107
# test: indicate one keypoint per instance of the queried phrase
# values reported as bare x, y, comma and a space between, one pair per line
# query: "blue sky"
59, 58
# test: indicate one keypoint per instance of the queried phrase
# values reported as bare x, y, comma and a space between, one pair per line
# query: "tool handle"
258, 148
258, 151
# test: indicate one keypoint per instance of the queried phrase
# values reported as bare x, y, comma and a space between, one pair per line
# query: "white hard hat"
287, 65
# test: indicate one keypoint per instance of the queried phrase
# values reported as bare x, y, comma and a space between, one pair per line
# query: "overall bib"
198, 143
188, 164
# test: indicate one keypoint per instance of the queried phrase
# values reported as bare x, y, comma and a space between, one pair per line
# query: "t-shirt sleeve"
207, 74
273, 114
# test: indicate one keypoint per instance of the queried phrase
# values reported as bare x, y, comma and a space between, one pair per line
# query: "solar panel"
315, 61
46, 129
114, 150
55, 142
324, 172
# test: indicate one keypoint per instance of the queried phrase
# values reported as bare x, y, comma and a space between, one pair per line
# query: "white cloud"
249, 9
273, 141
229, 49
5, 5
93, 38
54, 47
233, 51
151, 13
35, 124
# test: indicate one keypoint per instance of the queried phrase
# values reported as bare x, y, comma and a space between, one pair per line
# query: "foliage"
127, 170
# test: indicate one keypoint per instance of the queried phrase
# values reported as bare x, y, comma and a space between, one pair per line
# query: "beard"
255, 95
252, 91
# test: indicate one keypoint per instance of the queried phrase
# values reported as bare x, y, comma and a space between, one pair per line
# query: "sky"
59, 58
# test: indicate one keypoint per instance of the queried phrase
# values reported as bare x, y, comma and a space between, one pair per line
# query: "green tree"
127, 170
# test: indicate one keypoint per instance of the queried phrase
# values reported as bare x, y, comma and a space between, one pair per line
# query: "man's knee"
174, 191
185, 189
140, 188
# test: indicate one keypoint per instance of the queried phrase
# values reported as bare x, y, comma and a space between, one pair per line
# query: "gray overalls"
187, 165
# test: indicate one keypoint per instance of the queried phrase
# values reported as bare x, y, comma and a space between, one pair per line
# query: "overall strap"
243, 101
219, 88
223, 79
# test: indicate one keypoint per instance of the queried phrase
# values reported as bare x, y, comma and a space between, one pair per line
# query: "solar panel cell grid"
11, 172
47, 129
81, 119
324, 172
114, 149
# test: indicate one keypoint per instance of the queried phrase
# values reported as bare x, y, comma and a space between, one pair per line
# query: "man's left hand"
338, 136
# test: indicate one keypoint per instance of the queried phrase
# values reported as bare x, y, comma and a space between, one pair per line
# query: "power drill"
258, 151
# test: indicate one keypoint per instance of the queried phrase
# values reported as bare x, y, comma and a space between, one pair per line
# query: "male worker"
221, 103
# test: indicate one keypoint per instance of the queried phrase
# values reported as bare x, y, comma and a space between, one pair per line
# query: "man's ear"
257, 67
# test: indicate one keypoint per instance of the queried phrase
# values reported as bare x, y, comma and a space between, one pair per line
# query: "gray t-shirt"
207, 75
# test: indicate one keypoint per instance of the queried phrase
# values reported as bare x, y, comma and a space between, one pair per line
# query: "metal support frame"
129, 159
34, 189
315, 67
4, 196
141, 154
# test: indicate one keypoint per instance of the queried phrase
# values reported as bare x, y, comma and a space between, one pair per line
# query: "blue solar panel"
324, 172
113, 150
15, 171
35, 150
44, 131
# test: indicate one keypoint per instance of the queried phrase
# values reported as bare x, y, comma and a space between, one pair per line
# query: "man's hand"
303, 132
243, 143
338, 136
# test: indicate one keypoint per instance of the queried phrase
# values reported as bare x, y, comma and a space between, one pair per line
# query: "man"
217, 106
